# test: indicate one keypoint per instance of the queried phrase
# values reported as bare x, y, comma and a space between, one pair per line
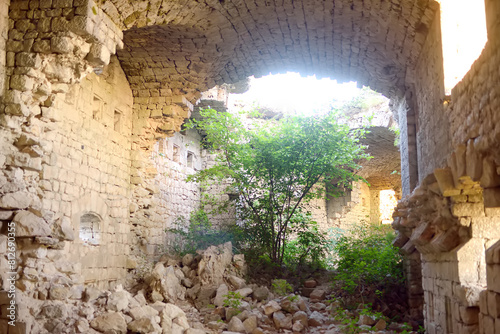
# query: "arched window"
90, 228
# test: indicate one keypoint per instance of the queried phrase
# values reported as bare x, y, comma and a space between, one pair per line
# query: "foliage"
281, 287
367, 264
232, 299
198, 233
309, 245
275, 166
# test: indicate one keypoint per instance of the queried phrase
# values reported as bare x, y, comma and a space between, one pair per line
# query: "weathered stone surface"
112, 322
236, 325
221, 295
282, 321
271, 307
30, 225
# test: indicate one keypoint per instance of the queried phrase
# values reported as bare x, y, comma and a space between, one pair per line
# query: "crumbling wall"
4, 31
352, 209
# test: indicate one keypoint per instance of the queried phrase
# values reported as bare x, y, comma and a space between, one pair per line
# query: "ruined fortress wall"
451, 218
4, 31
352, 209
433, 136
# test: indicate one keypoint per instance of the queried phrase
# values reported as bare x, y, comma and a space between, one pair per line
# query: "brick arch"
185, 47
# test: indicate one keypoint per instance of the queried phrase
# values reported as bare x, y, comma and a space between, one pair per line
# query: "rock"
181, 321
54, 311
381, 324
250, 324
59, 292
301, 317
91, 294
118, 301
310, 283
111, 322
239, 264
317, 295
144, 325
30, 225
365, 320
261, 293
237, 282
140, 299
216, 325
221, 295
298, 327
16, 200
194, 331
187, 260
205, 295
282, 321
172, 311
301, 303
213, 263
316, 319
235, 325
166, 282
244, 292
318, 306
288, 306
271, 307
176, 329
258, 330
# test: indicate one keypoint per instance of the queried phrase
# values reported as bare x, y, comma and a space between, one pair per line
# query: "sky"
291, 92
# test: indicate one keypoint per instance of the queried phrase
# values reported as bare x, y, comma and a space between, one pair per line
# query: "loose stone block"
445, 181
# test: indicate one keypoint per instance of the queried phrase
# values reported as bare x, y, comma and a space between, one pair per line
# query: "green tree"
275, 166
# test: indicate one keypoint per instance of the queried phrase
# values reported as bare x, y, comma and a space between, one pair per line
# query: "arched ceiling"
184, 47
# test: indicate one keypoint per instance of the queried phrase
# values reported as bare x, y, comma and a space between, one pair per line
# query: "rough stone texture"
73, 142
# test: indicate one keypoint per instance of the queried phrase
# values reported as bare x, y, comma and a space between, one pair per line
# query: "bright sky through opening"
292, 93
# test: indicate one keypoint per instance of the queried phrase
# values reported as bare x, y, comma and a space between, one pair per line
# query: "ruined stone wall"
350, 210
4, 31
432, 122
451, 219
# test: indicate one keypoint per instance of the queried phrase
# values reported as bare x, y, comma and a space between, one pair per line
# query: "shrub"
367, 264
281, 287
232, 299
309, 246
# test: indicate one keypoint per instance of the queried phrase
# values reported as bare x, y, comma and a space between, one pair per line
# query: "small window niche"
117, 125
161, 148
190, 160
90, 229
97, 108
176, 153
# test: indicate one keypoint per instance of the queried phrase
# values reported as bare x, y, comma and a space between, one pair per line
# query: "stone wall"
4, 31
352, 209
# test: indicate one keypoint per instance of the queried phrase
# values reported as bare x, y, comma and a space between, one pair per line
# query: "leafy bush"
281, 287
368, 265
309, 246
199, 233
232, 299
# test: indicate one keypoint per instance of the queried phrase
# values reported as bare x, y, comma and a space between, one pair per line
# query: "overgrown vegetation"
274, 168
369, 269
199, 233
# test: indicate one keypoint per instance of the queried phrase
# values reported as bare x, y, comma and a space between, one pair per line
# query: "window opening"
190, 159
90, 229
118, 121
463, 34
97, 107
176, 153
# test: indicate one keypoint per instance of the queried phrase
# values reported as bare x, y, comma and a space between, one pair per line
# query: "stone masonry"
90, 90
